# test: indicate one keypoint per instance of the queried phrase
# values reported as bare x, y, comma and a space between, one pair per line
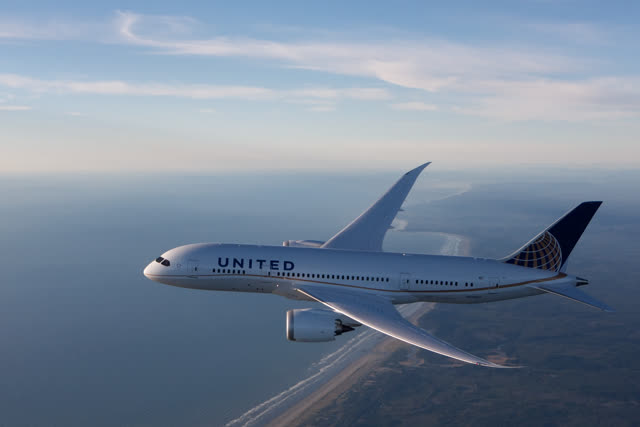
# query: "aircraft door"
491, 283
405, 281
192, 266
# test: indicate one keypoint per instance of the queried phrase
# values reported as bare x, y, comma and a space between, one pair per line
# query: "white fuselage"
402, 278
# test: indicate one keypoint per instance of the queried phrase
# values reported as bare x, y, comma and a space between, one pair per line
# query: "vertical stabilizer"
550, 249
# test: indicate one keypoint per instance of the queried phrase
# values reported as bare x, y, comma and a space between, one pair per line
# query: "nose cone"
151, 271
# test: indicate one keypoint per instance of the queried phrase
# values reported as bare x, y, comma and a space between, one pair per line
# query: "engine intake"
317, 325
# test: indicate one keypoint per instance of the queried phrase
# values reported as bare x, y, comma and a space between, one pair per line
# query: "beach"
360, 369
336, 373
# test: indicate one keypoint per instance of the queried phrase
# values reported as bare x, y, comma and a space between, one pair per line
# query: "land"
581, 365
350, 375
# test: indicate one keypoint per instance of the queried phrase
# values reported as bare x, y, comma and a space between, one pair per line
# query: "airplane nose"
149, 270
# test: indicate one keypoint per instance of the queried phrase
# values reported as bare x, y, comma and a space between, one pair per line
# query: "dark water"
87, 340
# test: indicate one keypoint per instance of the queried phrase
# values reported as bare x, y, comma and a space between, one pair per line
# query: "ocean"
88, 340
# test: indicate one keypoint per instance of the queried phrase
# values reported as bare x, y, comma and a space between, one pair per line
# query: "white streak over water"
332, 364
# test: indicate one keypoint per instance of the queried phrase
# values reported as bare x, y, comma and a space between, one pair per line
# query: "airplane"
359, 284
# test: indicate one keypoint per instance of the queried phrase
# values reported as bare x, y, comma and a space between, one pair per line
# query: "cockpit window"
159, 259
166, 263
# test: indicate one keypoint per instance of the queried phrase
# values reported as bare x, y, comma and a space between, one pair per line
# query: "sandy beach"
356, 371
336, 373
364, 366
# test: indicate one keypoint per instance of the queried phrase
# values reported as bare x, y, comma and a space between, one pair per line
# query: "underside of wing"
367, 232
379, 314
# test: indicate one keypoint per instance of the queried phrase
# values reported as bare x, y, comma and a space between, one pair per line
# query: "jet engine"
317, 325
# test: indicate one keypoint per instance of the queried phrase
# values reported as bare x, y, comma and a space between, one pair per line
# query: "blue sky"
192, 86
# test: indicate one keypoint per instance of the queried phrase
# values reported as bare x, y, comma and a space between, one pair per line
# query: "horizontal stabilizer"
575, 294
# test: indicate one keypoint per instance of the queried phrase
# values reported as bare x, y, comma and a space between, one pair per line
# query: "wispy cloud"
427, 64
499, 80
415, 106
544, 99
193, 91
54, 29
575, 32
117, 87
367, 94
4, 107
322, 108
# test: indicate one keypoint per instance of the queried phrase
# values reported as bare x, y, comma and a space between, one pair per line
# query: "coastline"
366, 365
342, 382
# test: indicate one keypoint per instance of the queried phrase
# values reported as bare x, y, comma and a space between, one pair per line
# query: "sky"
162, 86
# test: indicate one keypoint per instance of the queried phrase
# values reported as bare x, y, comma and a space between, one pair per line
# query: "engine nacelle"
317, 325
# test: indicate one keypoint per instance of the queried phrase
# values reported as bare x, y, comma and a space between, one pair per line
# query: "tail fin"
550, 249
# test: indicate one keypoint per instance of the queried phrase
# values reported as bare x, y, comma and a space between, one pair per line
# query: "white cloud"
500, 81
544, 99
5, 107
578, 32
193, 91
322, 108
367, 94
415, 106
427, 64
117, 87
497, 80
54, 29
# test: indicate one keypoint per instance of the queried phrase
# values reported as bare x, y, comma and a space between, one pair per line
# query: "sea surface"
86, 339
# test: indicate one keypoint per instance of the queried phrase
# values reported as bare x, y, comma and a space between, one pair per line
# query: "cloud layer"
506, 81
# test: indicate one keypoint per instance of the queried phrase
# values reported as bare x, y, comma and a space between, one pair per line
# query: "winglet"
367, 231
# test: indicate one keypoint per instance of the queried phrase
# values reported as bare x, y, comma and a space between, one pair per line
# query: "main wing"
379, 314
367, 231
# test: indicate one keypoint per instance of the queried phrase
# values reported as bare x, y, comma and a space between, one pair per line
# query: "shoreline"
357, 370
337, 372
354, 372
